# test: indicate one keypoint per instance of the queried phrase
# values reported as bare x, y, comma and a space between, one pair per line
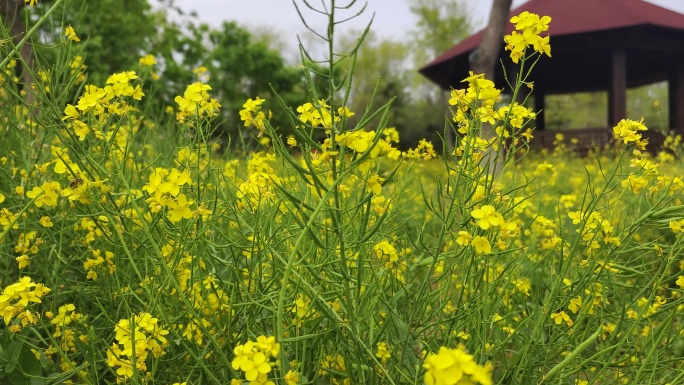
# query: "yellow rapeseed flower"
252, 115
481, 245
487, 217
47, 194
464, 238
70, 33
45, 221
148, 60
560, 317
680, 281
253, 358
528, 27
375, 184
23, 261
455, 367
179, 208
291, 378
383, 352
15, 298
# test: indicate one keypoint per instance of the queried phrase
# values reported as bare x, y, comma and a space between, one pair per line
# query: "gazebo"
597, 45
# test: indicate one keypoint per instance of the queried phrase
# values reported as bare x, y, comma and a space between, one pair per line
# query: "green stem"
30, 33
568, 359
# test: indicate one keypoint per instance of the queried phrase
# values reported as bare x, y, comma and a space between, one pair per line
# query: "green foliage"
112, 39
440, 25
648, 102
236, 65
381, 74
241, 68
386, 69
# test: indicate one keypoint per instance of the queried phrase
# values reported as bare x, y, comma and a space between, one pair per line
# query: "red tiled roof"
581, 16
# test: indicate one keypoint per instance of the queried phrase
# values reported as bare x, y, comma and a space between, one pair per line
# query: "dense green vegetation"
136, 248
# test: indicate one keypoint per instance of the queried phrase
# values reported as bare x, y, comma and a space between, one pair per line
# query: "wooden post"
675, 87
539, 106
617, 93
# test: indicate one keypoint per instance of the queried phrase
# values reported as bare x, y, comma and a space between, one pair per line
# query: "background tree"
420, 106
381, 72
483, 60
648, 102
440, 24
111, 40
12, 17
236, 65
485, 57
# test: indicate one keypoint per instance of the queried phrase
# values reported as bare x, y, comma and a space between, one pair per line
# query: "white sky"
392, 17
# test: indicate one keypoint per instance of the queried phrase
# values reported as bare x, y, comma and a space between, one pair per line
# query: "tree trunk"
10, 13
484, 59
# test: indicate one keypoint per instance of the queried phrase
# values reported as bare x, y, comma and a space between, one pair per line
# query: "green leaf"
28, 362
399, 329
44, 363
12, 355
22, 368
16, 377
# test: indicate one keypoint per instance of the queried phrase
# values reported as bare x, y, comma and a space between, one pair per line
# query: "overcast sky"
392, 17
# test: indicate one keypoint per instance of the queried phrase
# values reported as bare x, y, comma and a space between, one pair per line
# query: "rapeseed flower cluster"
15, 300
254, 358
383, 352
148, 60
359, 141
135, 339
331, 365
487, 218
164, 188
318, 114
71, 34
302, 309
27, 244
252, 115
100, 102
69, 328
425, 151
477, 100
475, 106
259, 186
455, 367
386, 252
560, 317
528, 26
47, 194
196, 102
97, 263
628, 130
